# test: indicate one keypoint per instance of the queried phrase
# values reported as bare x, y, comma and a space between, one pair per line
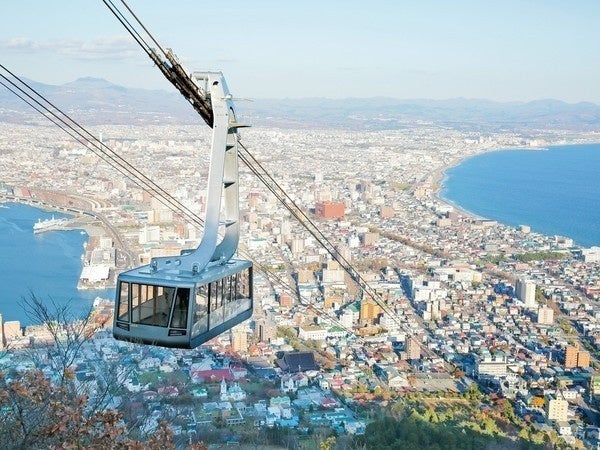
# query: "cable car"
182, 310
186, 300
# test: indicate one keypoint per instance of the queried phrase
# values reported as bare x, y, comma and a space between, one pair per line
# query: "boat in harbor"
48, 225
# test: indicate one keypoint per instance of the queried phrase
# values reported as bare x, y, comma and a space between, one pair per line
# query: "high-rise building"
330, 210
525, 290
369, 311
265, 331
492, 365
333, 273
595, 385
545, 316
571, 357
575, 357
347, 318
583, 359
556, 408
239, 339
413, 348
297, 246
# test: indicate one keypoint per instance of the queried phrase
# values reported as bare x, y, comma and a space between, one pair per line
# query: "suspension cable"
170, 66
80, 134
183, 82
99, 148
37, 102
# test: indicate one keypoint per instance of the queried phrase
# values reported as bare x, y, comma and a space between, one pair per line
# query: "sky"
509, 50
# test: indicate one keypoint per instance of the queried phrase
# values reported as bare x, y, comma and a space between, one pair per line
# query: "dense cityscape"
468, 308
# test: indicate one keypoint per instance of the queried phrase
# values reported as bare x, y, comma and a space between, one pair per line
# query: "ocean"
555, 191
46, 265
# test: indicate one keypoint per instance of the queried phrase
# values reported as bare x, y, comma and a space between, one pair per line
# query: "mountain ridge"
99, 101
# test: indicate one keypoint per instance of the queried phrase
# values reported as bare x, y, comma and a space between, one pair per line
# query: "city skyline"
514, 51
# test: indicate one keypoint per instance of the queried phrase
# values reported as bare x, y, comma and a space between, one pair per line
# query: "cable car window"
243, 291
200, 311
212, 296
216, 304
135, 303
151, 305
147, 306
180, 308
220, 296
161, 304
124, 302
229, 297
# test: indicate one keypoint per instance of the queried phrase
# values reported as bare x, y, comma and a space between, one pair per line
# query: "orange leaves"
40, 414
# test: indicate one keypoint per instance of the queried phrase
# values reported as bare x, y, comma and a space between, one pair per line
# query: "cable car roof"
175, 277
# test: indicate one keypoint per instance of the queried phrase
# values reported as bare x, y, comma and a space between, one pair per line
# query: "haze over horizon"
168, 89
512, 51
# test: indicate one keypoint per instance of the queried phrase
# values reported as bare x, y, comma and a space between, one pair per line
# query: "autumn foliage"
39, 414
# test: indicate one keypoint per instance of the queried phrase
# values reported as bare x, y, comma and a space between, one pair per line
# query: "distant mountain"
97, 101
467, 114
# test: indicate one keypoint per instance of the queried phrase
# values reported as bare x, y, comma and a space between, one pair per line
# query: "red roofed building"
168, 391
330, 210
211, 376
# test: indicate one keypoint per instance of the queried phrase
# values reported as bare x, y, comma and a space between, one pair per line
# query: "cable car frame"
186, 300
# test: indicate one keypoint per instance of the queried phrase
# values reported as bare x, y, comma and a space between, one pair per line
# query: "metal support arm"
222, 184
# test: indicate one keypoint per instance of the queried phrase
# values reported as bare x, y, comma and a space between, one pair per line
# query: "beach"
554, 191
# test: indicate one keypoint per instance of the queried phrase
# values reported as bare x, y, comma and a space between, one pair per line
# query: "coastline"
437, 180
88, 223
439, 177
47, 265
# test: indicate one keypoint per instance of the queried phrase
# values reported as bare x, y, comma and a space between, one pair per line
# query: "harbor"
61, 267
99, 257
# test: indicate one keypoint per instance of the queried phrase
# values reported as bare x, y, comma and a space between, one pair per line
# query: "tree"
42, 408
508, 412
36, 413
431, 416
538, 402
473, 392
68, 334
327, 444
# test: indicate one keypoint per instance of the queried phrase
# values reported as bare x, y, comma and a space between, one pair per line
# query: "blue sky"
500, 50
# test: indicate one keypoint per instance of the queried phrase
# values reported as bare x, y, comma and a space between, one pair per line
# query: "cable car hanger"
172, 69
199, 97
186, 300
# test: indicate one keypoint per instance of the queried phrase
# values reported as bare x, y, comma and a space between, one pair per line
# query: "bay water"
556, 191
47, 265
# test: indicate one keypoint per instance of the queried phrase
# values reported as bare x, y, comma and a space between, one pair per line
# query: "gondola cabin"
181, 309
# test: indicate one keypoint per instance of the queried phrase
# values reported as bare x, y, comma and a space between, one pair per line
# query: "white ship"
48, 225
